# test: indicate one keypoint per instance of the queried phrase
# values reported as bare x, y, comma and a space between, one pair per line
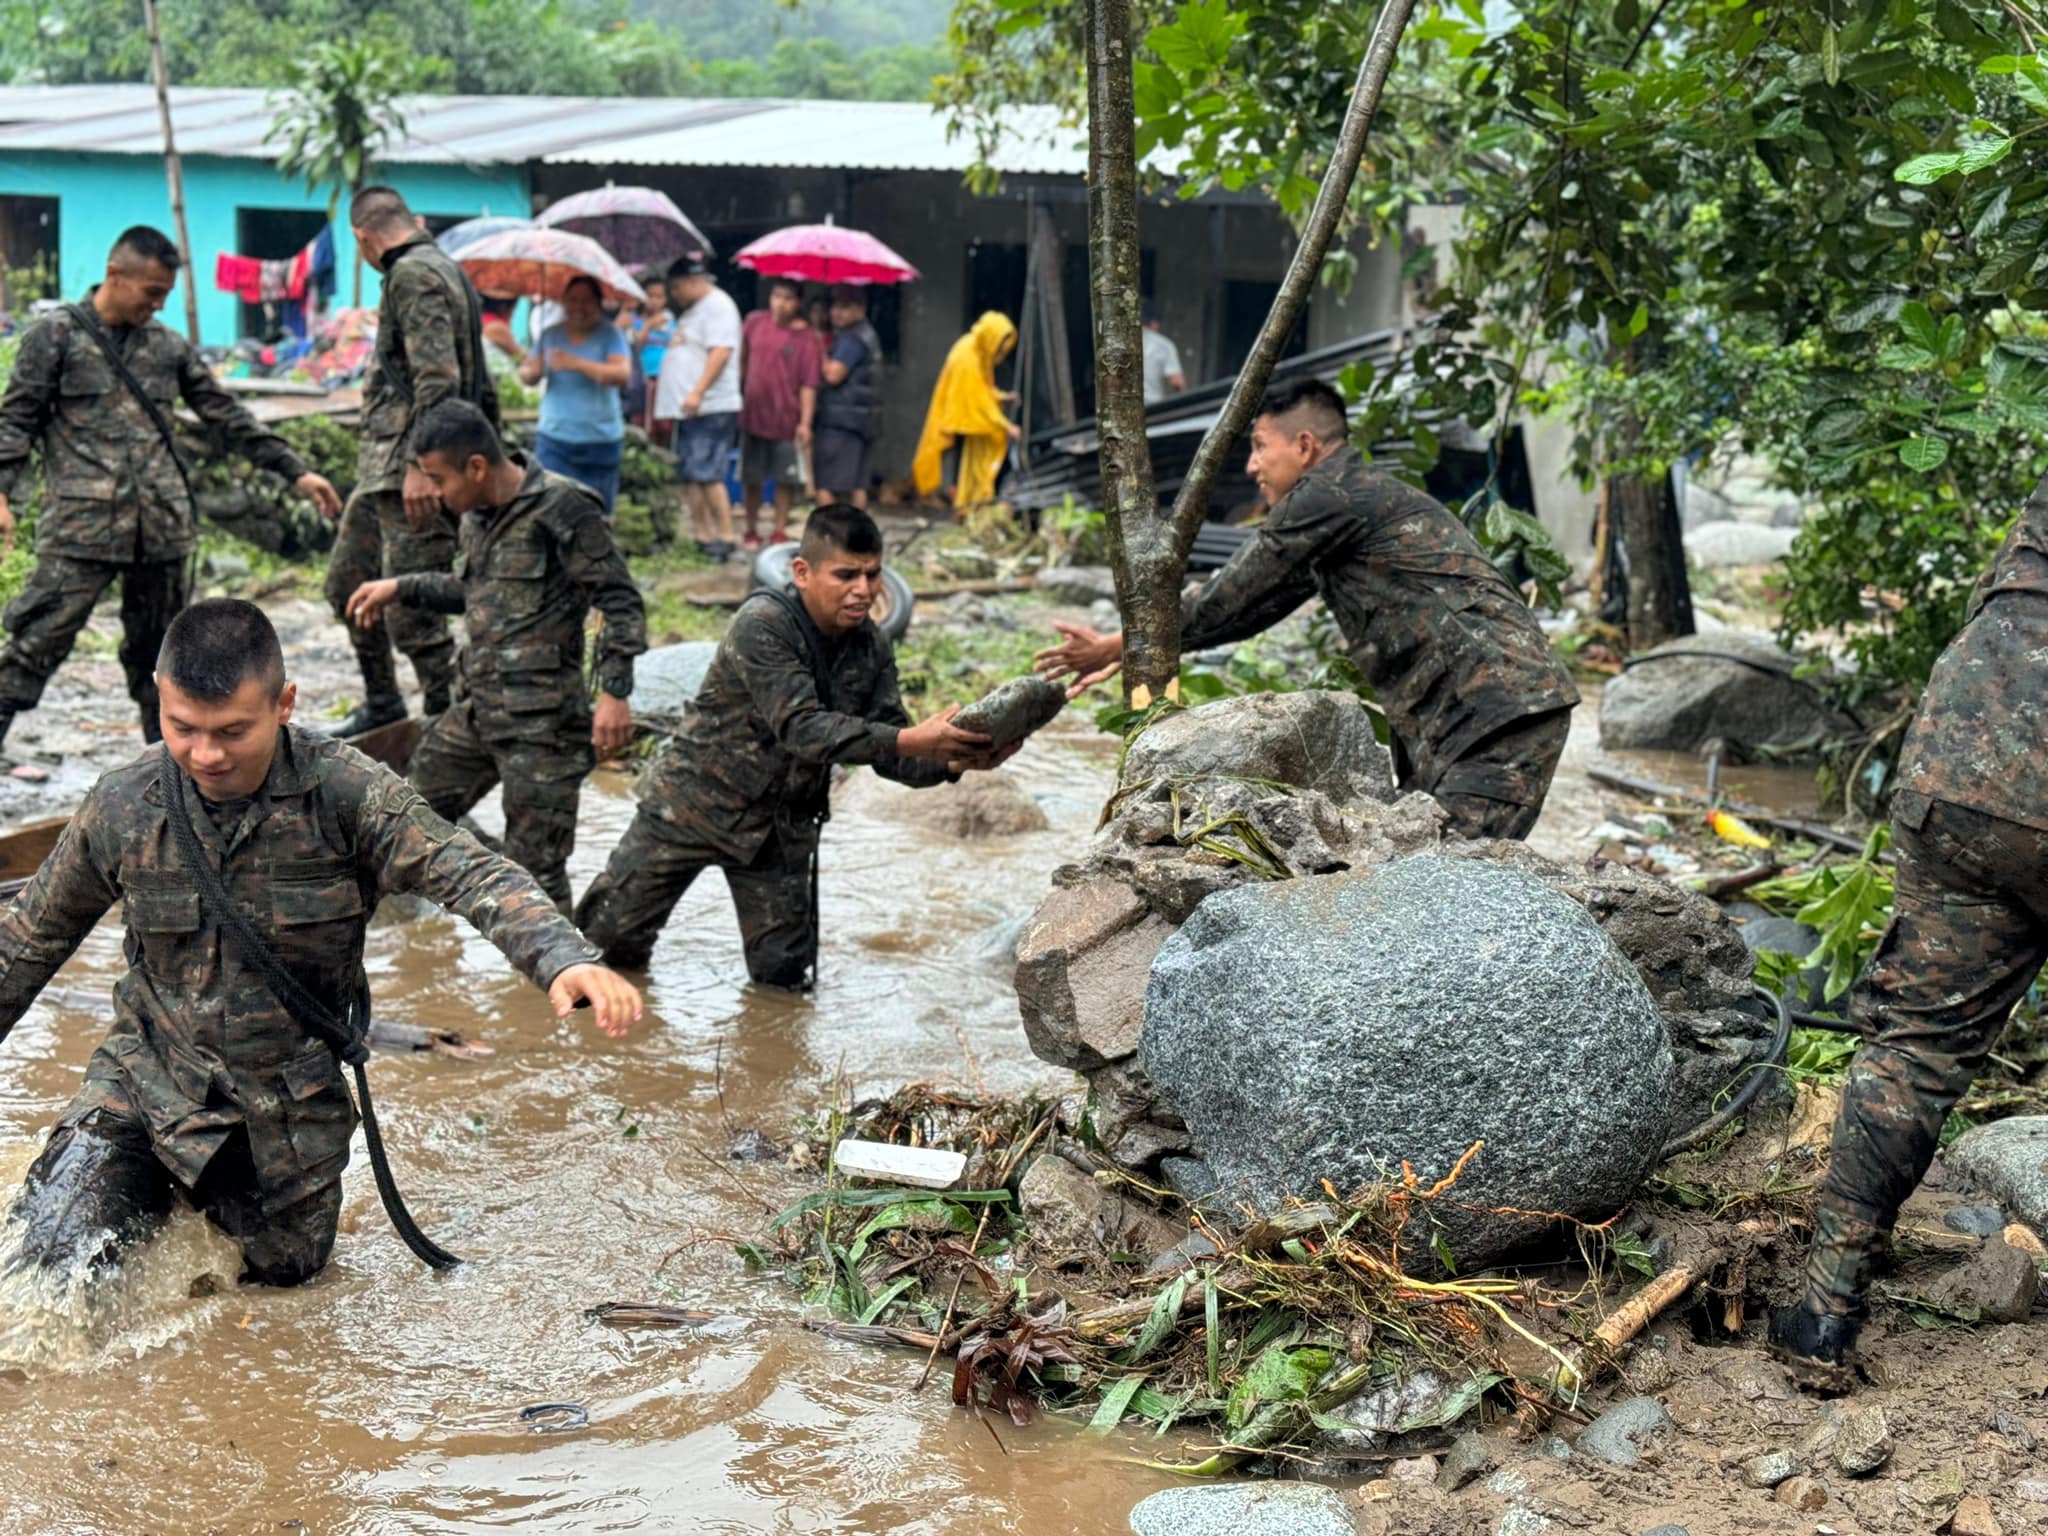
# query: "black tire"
893, 606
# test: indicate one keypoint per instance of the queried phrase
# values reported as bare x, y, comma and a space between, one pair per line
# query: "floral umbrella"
457, 237
826, 253
538, 264
639, 225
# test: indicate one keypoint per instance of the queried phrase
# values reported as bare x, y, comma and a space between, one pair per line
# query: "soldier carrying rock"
93, 386
800, 682
208, 1088
1968, 935
537, 556
1478, 702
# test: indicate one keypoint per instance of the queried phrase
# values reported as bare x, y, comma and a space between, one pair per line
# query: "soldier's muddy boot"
369, 715
436, 701
382, 703
1817, 1335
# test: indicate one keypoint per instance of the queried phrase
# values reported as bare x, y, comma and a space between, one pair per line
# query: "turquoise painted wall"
101, 195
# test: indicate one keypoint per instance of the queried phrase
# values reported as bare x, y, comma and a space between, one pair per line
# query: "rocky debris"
981, 805
1339, 1026
1974, 1220
1081, 973
1103, 617
1414, 1469
1718, 545
1996, 1284
2007, 1159
1667, 1530
1379, 1412
1014, 710
1863, 1442
1470, 1457
2031, 1490
1802, 1493
1069, 1214
1770, 1469
666, 679
1080, 585
1620, 1435
1244, 1509
1315, 739
1685, 693
1521, 1520
1973, 1517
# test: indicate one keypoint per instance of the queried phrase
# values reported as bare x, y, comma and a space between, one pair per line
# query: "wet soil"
573, 1170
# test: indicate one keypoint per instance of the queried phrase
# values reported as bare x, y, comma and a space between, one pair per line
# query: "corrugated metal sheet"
472, 130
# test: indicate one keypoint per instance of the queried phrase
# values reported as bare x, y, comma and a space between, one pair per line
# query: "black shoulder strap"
91, 325
347, 1037
821, 670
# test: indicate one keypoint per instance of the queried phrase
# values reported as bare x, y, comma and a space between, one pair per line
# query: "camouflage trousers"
1969, 932
656, 861
1497, 788
44, 620
98, 1190
455, 766
375, 540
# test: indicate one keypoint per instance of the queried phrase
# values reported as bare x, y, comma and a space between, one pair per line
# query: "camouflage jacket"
115, 492
756, 751
1451, 651
525, 580
428, 348
199, 1044
1979, 738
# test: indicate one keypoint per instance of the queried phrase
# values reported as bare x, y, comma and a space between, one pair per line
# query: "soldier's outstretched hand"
319, 490
614, 1001
939, 740
367, 603
1087, 655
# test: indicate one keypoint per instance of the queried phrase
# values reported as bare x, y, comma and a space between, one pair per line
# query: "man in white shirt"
699, 391
1163, 374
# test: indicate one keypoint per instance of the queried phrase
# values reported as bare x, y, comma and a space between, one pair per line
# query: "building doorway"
28, 252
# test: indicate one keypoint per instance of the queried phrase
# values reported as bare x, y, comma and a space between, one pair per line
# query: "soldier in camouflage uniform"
1476, 699
207, 1089
537, 556
117, 507
1969, 933
429, 348
744, 787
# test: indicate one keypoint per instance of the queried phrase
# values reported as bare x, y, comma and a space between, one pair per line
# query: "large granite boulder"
1685, 693
666, 679
1336, 1027
1318, 739
2009, 1160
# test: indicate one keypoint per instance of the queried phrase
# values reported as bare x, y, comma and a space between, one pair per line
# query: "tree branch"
1192, 505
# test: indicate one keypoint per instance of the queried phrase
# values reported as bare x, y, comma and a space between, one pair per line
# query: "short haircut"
1151, 313
850, 293
457, 431
838, 528
689, 264
378, 207
796, 288
582, 280
140, 242
214, 647
1311, 403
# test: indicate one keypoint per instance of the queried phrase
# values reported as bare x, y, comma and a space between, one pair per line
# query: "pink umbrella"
639, 225
538, 264
825, 253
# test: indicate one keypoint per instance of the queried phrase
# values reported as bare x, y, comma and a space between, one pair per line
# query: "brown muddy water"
384, 1398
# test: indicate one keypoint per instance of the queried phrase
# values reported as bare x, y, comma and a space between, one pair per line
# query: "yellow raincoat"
965, 411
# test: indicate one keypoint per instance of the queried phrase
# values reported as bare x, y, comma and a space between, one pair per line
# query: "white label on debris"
919, 1167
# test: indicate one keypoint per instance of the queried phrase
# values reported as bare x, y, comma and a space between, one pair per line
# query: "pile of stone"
1273, 969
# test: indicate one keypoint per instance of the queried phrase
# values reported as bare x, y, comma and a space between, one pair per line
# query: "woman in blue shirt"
586, 364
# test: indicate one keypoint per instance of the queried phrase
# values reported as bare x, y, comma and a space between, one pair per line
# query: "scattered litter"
553, 1418
30, 773
919, 1167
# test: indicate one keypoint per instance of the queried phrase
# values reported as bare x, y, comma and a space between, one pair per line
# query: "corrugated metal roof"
826, 135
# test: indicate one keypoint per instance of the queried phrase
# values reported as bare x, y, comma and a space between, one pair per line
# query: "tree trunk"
1148, 545
1643, 514
173, 171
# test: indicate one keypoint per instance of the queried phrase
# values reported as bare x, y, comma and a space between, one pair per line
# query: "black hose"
1759, 1074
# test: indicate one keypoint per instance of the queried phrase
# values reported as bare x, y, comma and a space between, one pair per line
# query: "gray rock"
1103, 616
2033, 1490
1552, 1448
1470, 1457
1863, 1442
1619, 1435
1126, 1118
1667, 1530
1770, 1469
1704, 506
1717, 545
1334, 1026
1190, 1178
1677, 697
1061, 1206
1997, 1283
1014, 710
1379, 1412
981, 805
1781, 935
1803, 1494
1975, 1220
1521, 1520
1081, 973
226, 567
1316, 739
1244, 1509
667, 678
2008, 1159
1079, 585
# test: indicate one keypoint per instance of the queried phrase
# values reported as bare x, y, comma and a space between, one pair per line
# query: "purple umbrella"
639, 225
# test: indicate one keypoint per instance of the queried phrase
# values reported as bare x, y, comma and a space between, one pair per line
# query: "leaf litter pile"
1255, 1335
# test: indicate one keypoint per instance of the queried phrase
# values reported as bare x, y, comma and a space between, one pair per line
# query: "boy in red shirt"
780, 359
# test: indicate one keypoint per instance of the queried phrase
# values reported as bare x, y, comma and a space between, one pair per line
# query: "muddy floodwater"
384, 1398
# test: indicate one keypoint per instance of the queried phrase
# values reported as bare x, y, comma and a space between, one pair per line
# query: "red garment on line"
256, 281
240, 275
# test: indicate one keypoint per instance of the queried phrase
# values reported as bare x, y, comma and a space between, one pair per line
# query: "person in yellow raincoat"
967, 412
